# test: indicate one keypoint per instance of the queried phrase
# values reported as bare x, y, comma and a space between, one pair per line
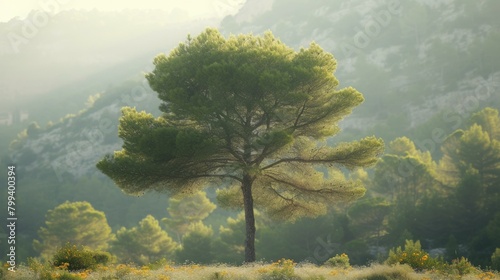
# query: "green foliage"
247, 111
495, 260
187, 210
76, 223
37, 266
228, 247
69, 276
413, 255
367, 216
359, 251
398, 272
197, 245
161, 263
282, 269
493, 230
489, 120
470, 167
452, 248
75, 257
292, 241
460, 266
144, 244
339, 261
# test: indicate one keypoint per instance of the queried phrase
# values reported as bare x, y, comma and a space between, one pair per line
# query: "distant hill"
413, 60
422, 66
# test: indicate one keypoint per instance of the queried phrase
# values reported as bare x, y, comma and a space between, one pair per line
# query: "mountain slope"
412, 60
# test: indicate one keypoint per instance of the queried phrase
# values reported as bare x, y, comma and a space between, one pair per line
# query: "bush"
280, 270
73, 258
380, 272
43, 271
413, 255
460, 266
341, 261
495, 260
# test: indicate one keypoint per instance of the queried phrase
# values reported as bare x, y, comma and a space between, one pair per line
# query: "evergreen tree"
367, 218
489, 121
407, 178
470, 166
247, 112
144, 244
75, 222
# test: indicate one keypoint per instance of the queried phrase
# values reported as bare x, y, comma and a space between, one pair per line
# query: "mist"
428, 71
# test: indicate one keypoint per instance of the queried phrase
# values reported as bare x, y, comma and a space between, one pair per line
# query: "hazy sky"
195, 8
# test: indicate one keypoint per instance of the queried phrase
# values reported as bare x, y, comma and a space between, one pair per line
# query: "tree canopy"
74, 222
250, 114
143, 244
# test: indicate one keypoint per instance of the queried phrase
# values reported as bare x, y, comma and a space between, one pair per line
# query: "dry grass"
257, 271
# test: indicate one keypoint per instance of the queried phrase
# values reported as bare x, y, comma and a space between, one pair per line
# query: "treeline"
449, 201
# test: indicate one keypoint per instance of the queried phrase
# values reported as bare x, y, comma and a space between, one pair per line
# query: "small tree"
246, 112
75, 223
143, 244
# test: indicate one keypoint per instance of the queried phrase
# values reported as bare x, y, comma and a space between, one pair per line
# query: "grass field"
277, 271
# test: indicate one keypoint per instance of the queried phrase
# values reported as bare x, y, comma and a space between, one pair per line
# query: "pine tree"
75, 222
144, 244
246, 112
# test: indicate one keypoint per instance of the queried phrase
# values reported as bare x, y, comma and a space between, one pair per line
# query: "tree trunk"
246, 188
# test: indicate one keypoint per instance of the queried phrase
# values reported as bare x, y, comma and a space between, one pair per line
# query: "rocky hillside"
411, 59
73, 146
418, 63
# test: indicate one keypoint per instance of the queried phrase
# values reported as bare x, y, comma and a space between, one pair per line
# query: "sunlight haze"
194, 8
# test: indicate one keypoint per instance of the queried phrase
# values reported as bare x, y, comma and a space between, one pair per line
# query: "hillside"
412, 60
423, 67
409, 75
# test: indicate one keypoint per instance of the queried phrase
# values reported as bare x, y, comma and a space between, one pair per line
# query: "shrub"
73, 258
380, 272
341, 261
41, 270
413, 255
158, 264
102, 257
460, 266
281, 270
495, 260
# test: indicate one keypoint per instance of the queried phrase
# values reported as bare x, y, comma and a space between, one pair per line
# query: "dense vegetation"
431, 85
